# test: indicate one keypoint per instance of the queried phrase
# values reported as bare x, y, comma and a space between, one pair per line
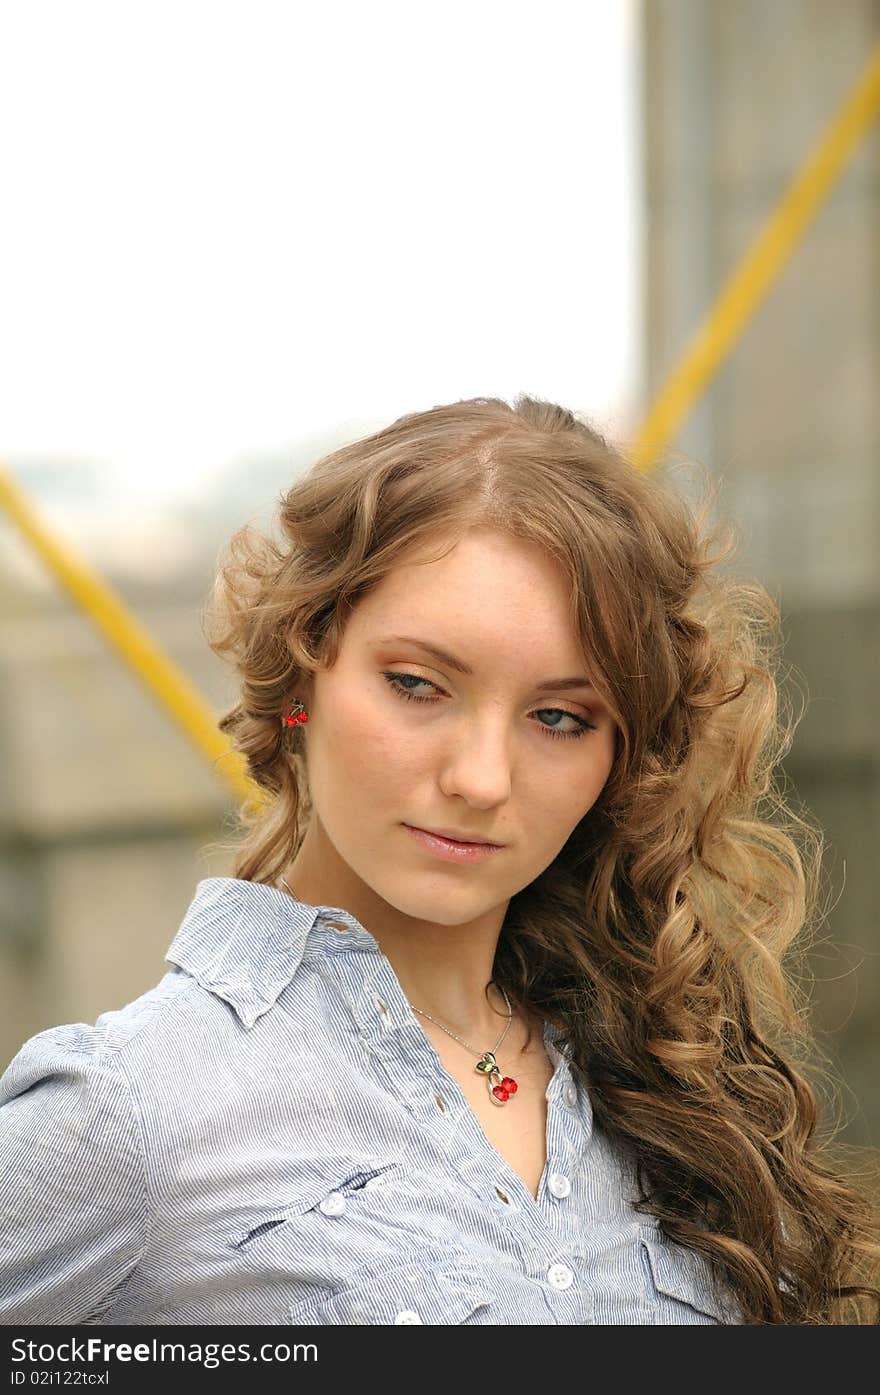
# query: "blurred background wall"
735, 98
107, 812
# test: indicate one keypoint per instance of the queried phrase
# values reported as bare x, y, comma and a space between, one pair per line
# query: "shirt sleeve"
73, 1208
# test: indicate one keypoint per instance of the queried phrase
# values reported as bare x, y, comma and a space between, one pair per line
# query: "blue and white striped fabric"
268, 1136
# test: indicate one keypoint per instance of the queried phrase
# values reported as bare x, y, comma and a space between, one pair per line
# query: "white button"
559, 1184
560, 1276
571, 1095
408, 1316
332, 1205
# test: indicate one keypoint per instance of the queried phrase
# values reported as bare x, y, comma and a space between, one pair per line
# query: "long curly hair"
661, 938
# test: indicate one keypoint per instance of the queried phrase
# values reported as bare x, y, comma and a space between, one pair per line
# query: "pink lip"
451, 850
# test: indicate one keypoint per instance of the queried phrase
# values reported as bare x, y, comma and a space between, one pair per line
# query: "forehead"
484, 569
466, 618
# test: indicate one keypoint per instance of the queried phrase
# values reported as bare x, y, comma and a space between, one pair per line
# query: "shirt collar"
245, 940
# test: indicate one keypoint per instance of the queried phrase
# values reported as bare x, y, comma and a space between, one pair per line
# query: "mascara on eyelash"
391, 676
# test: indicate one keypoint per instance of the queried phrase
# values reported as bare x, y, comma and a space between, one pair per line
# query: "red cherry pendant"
500, 1093
509, 1084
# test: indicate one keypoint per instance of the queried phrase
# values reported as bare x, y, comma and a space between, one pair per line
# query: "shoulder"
96, 1117
82, 1054
238, 946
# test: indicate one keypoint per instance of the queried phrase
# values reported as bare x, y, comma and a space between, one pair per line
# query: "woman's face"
492, 752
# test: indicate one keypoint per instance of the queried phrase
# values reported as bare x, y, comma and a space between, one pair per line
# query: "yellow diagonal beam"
184, 704
761, 265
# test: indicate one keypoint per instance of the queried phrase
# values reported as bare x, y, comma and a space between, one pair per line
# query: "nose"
476, 764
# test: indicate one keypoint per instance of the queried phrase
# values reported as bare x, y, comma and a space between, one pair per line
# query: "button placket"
416, 1073
560, 1277
395, 1036
382, 1009
558, 1184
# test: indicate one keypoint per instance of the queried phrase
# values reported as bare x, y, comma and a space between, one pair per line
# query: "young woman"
489, 1025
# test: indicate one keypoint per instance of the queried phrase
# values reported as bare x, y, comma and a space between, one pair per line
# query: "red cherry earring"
291, 718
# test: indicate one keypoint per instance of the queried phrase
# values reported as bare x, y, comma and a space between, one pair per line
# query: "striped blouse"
268, 1136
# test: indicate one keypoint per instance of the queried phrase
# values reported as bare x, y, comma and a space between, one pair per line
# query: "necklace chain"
473, 1049
447, 1030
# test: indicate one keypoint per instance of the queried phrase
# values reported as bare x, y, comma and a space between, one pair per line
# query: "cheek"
364, 746
564, 792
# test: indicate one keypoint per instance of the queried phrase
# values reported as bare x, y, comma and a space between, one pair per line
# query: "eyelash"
584, 726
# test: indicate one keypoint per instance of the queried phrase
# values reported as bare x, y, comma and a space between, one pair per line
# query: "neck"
468, 1033
443, 970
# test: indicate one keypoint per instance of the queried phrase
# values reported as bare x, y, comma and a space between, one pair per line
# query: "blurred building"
736, 97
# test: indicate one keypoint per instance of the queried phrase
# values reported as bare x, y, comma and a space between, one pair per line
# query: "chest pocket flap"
682, 1281
320, 1192
452, 1294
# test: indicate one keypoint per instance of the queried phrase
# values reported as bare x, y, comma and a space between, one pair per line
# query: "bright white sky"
227, 227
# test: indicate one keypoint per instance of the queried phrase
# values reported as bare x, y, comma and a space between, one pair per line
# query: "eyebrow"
450, 660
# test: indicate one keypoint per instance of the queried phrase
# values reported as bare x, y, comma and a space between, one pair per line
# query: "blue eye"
395, 681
